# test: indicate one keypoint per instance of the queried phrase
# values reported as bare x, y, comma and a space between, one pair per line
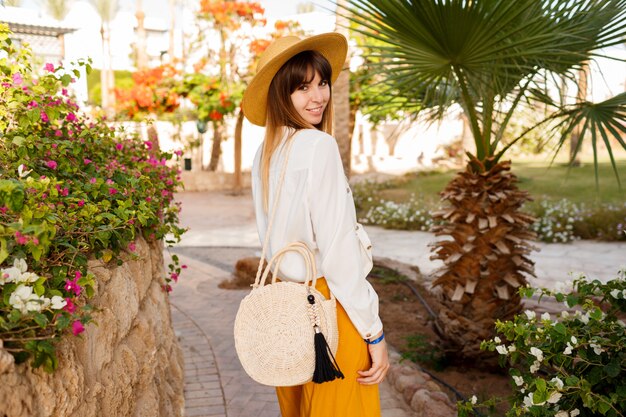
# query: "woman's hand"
380, 365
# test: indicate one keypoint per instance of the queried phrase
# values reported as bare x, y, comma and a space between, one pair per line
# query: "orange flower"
215, 115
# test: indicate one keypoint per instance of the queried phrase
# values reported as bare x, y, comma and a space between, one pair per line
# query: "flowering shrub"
213, 100
70, 189
557, 222
411, 215
571, 365
153, 92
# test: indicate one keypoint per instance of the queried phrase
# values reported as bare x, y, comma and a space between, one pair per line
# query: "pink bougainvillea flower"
17, 78
86, 161
112, 191
20, 238
35, 241
71, 117
109, 181
148, 144
167, 288
148, 199
65, 192
164, 193
44, 117
33, 104
119, 146
178, 152
132, 247
77, 328
57, 133
4, 209
72, 285
174, 276
6, 85
92, 180
184, 266
51, 164
64, 91
81, 203
70, 307
49, 67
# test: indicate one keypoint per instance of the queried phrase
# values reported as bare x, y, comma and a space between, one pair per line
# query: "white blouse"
316, 207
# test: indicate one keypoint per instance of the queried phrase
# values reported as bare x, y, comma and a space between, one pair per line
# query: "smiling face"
311, 98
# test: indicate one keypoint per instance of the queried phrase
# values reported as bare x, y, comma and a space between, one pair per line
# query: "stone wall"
212, 181
127, 363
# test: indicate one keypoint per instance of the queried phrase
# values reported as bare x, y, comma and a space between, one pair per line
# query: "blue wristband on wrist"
375, 341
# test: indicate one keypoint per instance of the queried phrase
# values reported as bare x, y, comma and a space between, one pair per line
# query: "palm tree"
491, 58
58, 9
107, 9
11, 3
142, 56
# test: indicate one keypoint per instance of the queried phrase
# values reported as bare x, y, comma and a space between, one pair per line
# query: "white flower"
537, 353
596, 348
512, 348
473, 400
562, 414
564, 314
501, 349
21, 172
11, 274
20, 264
557, 382
574, 412
615, 293
530, 314
568, 349
584, 318
27, 277
535, 367
574, 341
36, 303
57, 302
554, 397
621, 323
545, 316
519, 381
20, 297
497, 339
528, 400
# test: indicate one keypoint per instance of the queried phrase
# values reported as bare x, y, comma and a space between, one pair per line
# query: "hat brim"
333, 46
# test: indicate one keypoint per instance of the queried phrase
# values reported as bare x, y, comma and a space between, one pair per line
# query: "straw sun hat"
333, 46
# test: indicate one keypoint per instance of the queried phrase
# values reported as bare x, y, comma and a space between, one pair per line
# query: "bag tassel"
326, 368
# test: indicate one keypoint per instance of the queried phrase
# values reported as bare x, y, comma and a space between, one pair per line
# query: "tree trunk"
172, 11
216, 149
341, 101
485, 256
583, 75
104, 77
237, 186
142, 56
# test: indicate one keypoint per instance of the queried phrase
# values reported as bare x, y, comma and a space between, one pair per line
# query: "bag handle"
302, 249
257, 279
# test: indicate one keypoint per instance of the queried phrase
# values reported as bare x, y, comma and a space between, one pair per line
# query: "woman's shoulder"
316, 141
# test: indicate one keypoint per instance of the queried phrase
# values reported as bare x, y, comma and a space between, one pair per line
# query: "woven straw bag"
286, 332
274, 327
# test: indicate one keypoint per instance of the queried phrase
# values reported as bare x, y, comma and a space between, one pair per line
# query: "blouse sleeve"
343, 244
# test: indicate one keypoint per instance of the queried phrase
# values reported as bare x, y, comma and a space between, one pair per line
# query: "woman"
291, 96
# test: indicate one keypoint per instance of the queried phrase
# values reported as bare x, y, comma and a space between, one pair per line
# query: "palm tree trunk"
341, 100
104, 77
583, 74
485, 255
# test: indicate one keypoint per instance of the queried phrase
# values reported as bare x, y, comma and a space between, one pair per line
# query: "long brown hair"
281, 114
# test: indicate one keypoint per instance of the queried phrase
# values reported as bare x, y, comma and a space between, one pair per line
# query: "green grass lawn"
541, 180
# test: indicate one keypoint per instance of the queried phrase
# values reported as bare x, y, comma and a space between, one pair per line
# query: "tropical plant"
492, 57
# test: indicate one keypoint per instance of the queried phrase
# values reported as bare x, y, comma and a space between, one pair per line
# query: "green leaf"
572, 300
66, 79
613, 368
560, 329
41, 320
18, 140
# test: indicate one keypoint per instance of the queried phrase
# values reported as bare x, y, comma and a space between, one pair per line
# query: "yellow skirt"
341, 397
